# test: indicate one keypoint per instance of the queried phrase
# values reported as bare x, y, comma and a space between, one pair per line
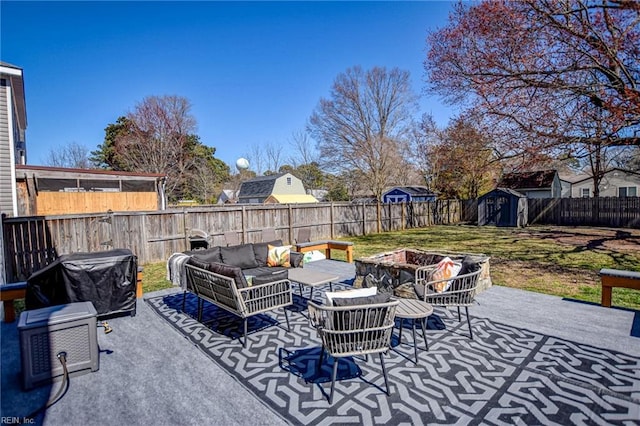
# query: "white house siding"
7, 169
610, 184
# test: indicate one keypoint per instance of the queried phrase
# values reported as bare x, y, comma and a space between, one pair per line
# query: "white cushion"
343, 294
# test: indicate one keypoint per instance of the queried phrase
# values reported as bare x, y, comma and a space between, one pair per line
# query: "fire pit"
394, 271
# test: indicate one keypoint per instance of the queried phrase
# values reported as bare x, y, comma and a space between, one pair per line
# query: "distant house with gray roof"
405, 194
258, 189
534, 184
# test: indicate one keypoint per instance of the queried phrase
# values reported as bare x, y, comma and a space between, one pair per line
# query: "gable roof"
414, 190
505, 191
541, 179
261, 186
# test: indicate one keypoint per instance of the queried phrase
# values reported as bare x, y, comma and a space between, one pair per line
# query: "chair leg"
200, 303
320, 359
244, 345
459, 317
286, 316
384, 373
415, 341
424, 333
466, 308
400, 332
333, 378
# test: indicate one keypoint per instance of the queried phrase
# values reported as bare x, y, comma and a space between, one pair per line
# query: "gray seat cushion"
241, 256
228, 271
272, 273
206, 256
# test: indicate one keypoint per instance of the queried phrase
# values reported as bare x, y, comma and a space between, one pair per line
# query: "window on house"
627, 191
289, 181
585, 193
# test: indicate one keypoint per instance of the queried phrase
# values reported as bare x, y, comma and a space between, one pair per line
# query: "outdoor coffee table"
311, 278
414, 309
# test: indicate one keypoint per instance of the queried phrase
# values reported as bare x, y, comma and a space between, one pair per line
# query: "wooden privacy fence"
612, 212
31, 243
623, 212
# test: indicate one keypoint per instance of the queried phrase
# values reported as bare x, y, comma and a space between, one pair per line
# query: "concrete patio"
150, 374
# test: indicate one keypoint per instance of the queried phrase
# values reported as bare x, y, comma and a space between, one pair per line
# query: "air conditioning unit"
47, 332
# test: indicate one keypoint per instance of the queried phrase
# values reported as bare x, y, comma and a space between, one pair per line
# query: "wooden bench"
9, 293
327, 246
617, 278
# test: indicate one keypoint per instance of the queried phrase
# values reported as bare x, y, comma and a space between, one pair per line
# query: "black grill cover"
106, 278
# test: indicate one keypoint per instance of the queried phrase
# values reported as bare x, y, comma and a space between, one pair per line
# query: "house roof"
15, 76
507, 191
541, 179
261, 186
584, 177
413, 190
291, 198
62, 172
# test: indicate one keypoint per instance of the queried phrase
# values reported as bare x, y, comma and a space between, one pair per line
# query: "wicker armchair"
353, 330
461, 290
243, 302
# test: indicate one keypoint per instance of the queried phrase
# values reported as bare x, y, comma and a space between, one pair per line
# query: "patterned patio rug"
505, 376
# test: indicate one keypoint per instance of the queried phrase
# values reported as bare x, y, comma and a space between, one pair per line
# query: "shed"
46, 190
405, 194
503, 207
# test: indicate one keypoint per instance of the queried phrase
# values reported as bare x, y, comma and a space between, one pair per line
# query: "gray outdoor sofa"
239, 280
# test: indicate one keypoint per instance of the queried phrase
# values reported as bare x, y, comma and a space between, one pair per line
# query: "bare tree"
303, 149
361, 126
73, 155
273, 156
159, 140
552, 77
256, 159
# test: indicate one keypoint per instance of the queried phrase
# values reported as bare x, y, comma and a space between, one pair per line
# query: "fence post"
364, 220
242, 224
331, 231
290, 220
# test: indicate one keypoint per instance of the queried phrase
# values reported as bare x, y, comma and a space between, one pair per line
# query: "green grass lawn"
563, 261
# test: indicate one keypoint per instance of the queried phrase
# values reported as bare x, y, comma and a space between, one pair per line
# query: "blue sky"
253, 72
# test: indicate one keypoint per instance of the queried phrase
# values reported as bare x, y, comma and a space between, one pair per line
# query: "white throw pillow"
343, 294
446, 268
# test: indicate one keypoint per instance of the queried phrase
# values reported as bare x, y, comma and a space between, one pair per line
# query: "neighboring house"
405, 194
615, 183
54, 190
228, 196
258, 189
536, 184
13, 124
565, 184
318, 194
